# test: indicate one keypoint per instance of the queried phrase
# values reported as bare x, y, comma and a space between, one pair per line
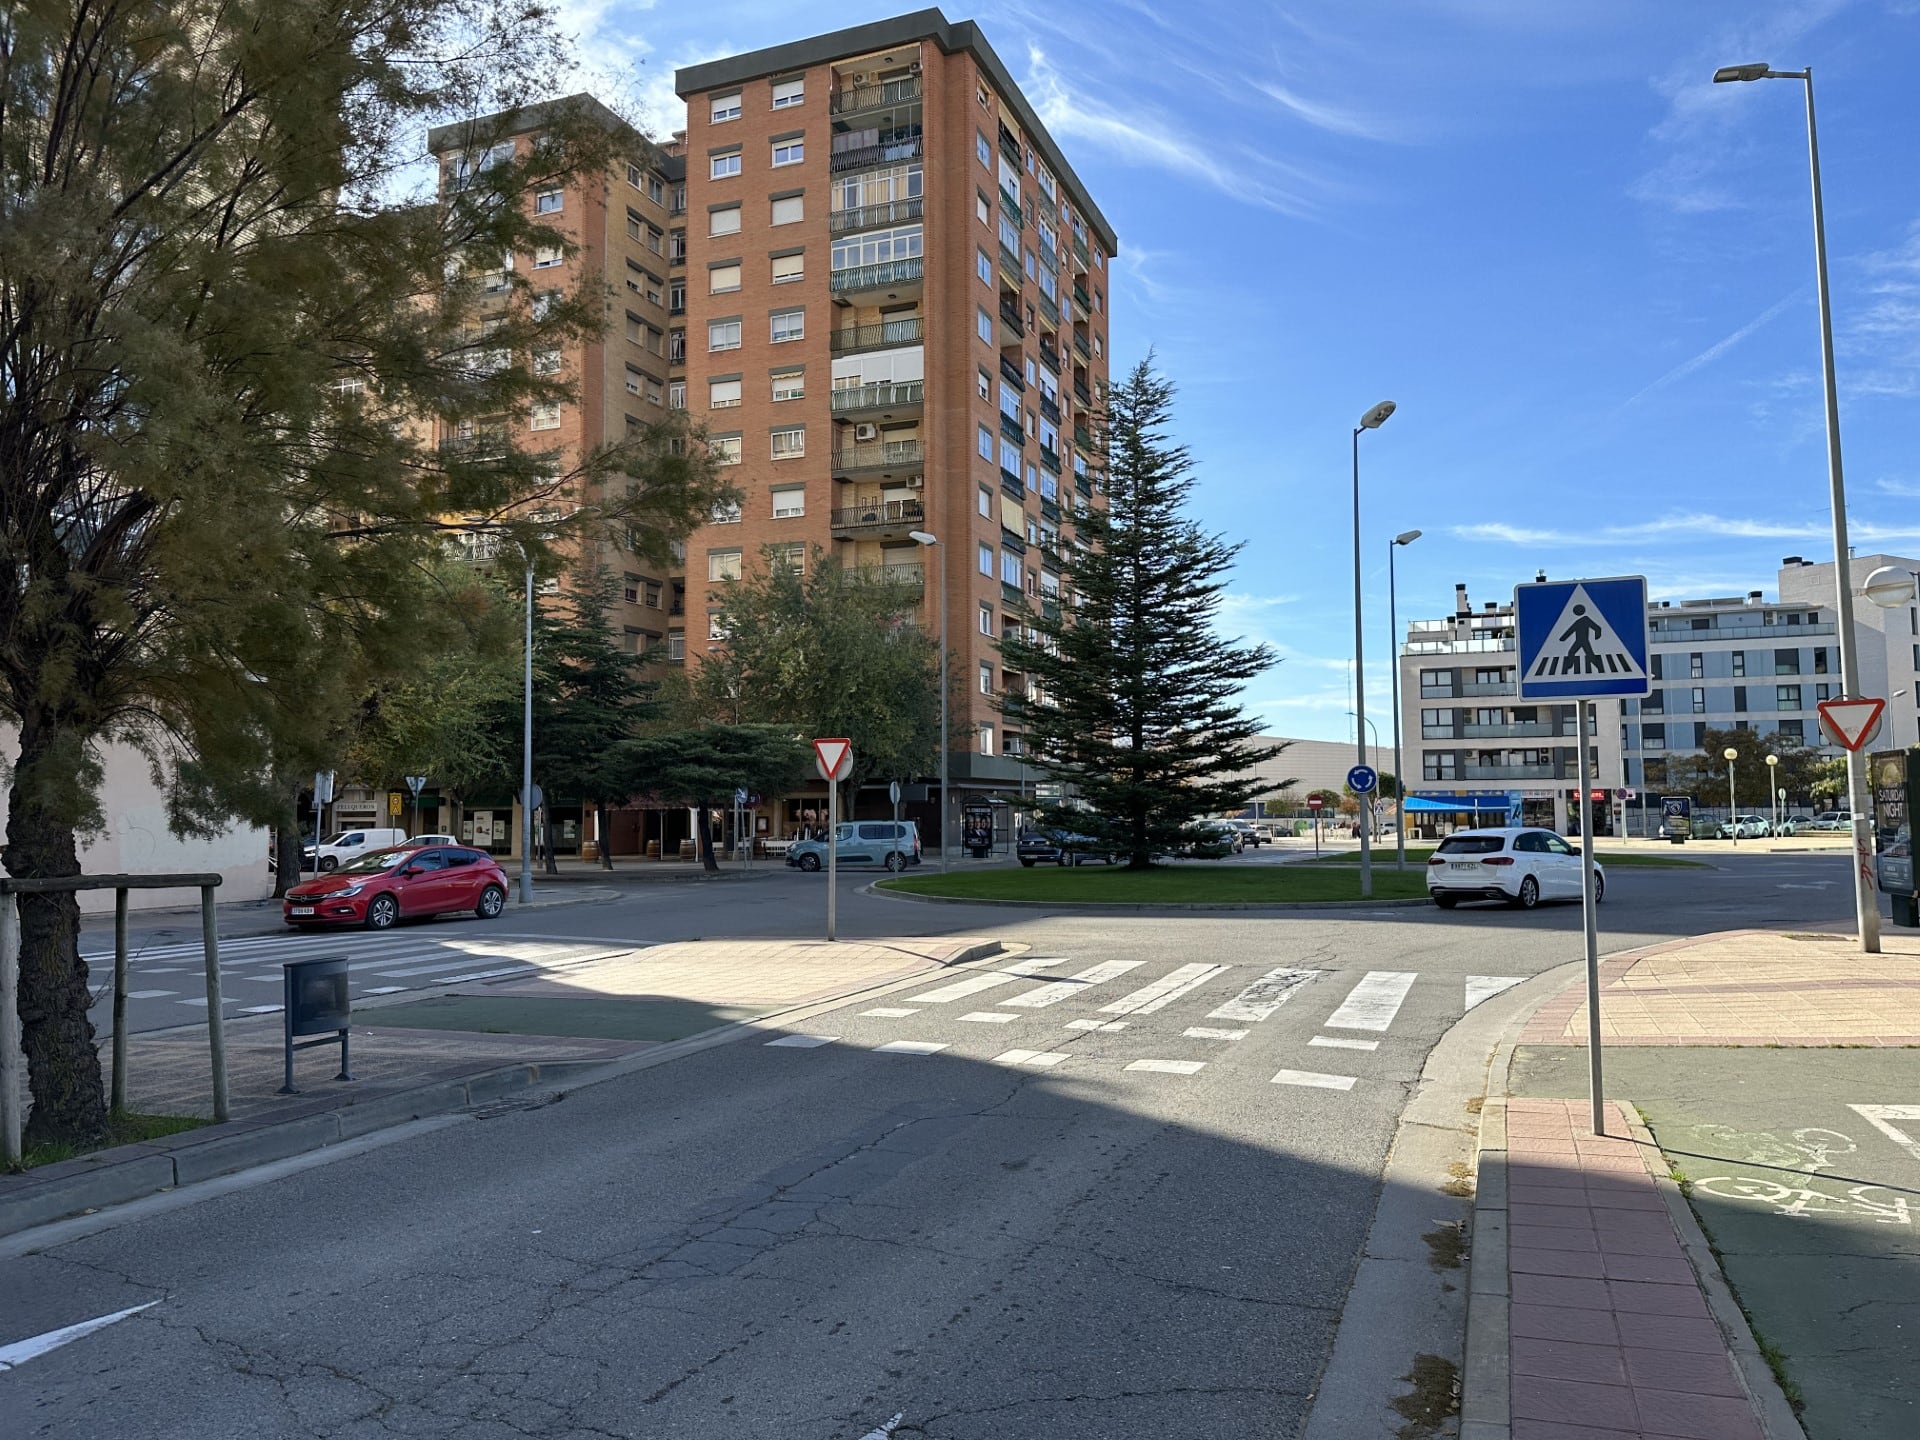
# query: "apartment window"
725, 167
788, 93
788, 557
985, 502
1653, 737
1655, 703
790, 385
788, 268
725, 449
1439, 767
723, 394
986, 677
722, 278
677, 247
1786, 662
982, 149
545, 415
1011, 571
1696, 665
789, 210
546, 362
986, 620
983, 326
1739, 697
650, 594
878, 247
1823, 691
982, 211
724, 108
676, 645
717, 625
1795, 730
677, 297
788, 444
1030, 265
1699, 701
1699, 734
548, 202
724, 222
1820, 660
723, 335
789, 152
986, 739
547, 257
1789, 697
985, 561
1739, 662
677, 395
789, 325
984, 442
723, 565
725, 512
983, 267
789, 503
1659, 669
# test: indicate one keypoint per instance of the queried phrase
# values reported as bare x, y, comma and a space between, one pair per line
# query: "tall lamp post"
1866, 902
1372, 420
1406, 537
922, 538
1773, 793
1733, 805
1894, 587
526, 753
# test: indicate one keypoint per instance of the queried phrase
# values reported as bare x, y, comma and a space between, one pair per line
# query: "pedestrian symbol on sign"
1582, 642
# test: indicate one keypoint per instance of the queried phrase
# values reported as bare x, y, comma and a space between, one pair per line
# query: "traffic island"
1196, 885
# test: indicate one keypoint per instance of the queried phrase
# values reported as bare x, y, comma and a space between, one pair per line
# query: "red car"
389, 885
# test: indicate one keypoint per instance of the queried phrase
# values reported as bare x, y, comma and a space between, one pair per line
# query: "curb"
126, 1173
1101, 907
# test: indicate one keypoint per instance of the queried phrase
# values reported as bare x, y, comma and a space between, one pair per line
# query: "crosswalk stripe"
1264, 996
1055, 991
891, 1012
1485, 987
1170, 1067
910, 1047
803, 1042
1164, 991
1335, 1042
1314, 1080
990, 1017
149, 994
1032, 1057
1096, 1024
465, 962
992, 979
1374, 1002
1201, 1032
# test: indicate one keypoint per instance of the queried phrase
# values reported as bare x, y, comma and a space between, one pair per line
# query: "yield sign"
1851, 723
833, 758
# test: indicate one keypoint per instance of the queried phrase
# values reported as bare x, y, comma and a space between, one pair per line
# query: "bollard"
119, 1002
216, 1022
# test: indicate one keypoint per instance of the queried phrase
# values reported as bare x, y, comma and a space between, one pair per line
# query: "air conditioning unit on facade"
915, 482
862, 77
866, 432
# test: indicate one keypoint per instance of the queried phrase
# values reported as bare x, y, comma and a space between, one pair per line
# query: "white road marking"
384, 990
1169, 1067
1055, 991
1264, 996
1314, 1080
202, 1000
21, 1351
804, 1042
484, 975
408, 972
1374, 1001
992, 979
891, 1012
1485, 987
990, 1017
1878, 1116
1201, 1032
1096, 1024
1031, 1057
270, 979
1164, 991
1335, 1042
910, 1047
885, 1431
149, 994
262, 1009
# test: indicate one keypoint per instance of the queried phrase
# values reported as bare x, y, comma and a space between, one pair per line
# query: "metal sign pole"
1583, 712
119, 1101
216, 1022
10, 1066
833, 849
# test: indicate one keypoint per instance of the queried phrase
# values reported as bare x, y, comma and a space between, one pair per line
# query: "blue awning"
1454, 803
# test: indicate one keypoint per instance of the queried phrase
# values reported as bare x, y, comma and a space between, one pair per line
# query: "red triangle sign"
834, 758
1851, 723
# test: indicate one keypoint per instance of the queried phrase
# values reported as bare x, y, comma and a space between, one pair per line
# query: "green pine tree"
1131, 700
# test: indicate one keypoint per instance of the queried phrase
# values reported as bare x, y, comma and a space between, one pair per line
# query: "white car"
1517, 864
1746, 827
1833, 820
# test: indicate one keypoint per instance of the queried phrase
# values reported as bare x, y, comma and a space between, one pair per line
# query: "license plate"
301, 910
1464, 865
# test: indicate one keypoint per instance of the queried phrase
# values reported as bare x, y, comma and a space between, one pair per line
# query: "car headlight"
342, 894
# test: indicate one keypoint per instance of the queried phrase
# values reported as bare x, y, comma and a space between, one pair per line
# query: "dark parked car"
1058, 847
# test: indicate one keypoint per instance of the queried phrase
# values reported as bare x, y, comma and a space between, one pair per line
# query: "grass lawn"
1168, 884
122, 1129
1421, 852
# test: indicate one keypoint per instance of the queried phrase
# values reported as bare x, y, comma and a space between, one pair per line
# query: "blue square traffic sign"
1582, 639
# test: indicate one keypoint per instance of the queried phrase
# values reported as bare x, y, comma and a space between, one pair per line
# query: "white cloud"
1515, 534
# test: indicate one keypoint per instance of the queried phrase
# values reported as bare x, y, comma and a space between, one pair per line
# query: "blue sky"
1583, 272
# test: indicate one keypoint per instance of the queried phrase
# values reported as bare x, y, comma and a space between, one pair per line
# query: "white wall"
136, 840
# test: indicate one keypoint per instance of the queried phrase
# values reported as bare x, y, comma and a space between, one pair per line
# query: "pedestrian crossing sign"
1582, 639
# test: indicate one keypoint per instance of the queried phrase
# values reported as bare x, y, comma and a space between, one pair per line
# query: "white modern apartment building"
1724, 663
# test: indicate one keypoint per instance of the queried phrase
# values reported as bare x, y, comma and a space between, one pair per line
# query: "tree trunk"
546, 847
287, 858
600, 831
704, 839
63, 1067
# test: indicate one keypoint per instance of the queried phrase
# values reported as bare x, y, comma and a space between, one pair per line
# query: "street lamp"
1866, 902
921, 537
1406, 537
1733, 806
1774, 793
1372, 420
526, 752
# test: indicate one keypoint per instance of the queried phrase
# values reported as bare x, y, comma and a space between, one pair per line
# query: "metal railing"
1010, 317
850, 339
886, 455
1512, 729
1012, 375
874, 277
1049, 409
885, 152
1048, 310
853, 99
913, 573
871, 217
1081, 348
881, 396
1011, 429
879, 515
1510, 772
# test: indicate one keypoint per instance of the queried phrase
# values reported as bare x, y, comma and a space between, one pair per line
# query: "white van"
344, 845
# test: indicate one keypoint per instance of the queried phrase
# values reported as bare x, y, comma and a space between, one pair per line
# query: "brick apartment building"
868, 270
897, 321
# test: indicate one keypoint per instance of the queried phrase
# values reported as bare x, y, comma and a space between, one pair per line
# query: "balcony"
1012, 594
1083, 394
485, 445
1083, 483
1081, 298
887, 275
1012, 486
1486, 687
912, 573
1011, 206
1080, 346
1049, 312
1010, 268
1049, 410
884, 152
1011, 431
1050, 510
888, 335
888, 457
1009, 144
874, 217
1080, 251
1010, 372
1509, 772
878, 520
1011, 324
883, 396
1513, 730
1049, 356
1050, 459
1083, 437
857, 99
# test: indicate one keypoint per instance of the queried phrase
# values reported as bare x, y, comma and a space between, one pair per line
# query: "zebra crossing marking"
1041, 1058
1373, 1003
891, 1012
802, 1042
1314, 1080
1169, 1067
1485, 987
1096, 1024
151, 994
1164, 991
990, 1017
1335, 1042
1264, 996
989, 980
1054, 991
910, 1047
1202, 1032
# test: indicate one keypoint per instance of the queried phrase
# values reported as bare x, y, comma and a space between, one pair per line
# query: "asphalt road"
949, 1225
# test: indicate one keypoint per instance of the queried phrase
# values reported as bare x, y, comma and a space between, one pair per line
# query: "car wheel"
1025, 863
1446, 902
492, 901
894, 860
809, 862
1529, 895
1063, 859
328, 862
382, 912
1599, 887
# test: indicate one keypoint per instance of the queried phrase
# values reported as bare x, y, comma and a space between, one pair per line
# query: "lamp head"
1406, 537
1377, 416
1889, 587
1729, 753
1728, 73
921, 537
1773, 759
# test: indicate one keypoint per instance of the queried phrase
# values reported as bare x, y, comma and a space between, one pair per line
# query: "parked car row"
1751, 827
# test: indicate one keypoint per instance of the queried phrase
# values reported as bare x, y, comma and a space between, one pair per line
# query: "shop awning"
1454, 803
